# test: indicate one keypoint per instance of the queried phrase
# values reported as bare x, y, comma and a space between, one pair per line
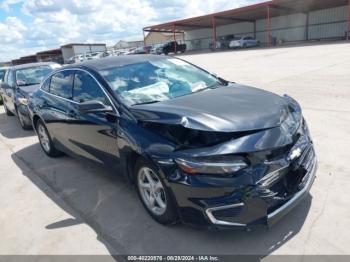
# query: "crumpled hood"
28, 90
232, 108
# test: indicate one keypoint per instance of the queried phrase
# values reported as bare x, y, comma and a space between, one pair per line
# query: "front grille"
307, 164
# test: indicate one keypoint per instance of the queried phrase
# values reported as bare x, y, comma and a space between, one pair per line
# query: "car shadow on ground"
11, 128
110, 206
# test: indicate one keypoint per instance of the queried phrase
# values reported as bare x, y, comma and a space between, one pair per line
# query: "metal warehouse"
271, 22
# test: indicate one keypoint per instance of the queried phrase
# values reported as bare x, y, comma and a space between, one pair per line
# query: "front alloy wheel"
152, 191
154, 194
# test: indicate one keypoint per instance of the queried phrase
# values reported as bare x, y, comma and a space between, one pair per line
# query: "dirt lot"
75, 207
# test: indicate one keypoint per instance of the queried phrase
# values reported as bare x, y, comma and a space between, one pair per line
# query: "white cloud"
55, 22
5, 4
12, 29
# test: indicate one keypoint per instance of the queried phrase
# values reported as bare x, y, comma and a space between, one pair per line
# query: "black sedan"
199, 149
18, 83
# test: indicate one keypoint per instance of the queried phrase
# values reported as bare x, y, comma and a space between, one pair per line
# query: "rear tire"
8, 112
46, 141
154, 194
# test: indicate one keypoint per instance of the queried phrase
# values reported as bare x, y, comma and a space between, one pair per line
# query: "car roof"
109, 62
31, 65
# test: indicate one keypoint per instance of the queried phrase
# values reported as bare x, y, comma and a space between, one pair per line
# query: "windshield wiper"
217, 85
144, 103
29, 84
223, 81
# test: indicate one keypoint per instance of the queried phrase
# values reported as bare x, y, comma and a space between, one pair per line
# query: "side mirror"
93, 107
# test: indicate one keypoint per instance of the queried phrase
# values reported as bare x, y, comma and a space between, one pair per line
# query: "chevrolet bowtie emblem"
295, 154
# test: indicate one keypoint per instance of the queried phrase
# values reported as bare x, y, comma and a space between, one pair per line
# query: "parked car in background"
129, 51
2, 75
222, 42
120, 52
111, 53
85, 56
157, 49
76, 59
94, 55
142, 50
172, 130
244, 42
172, 47
19, 82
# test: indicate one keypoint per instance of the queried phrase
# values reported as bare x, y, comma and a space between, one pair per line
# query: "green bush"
0, 100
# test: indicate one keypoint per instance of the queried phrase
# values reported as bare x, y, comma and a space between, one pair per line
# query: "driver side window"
86, 89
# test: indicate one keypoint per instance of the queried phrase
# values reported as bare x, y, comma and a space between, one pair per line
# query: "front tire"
22, 123
8, 112
154, 194
46, 141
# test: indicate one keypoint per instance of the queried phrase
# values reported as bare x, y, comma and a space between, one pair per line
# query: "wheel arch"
131, 159
35, 121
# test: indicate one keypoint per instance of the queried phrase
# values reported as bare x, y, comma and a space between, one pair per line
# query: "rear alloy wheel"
45, 140
8, 113
153, 193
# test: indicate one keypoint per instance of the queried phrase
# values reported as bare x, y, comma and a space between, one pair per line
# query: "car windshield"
32, 75
159, 80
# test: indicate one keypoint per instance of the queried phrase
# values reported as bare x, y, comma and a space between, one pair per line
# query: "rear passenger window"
86, 89
61, 84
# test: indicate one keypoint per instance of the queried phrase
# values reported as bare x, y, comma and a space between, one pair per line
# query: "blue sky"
33, 25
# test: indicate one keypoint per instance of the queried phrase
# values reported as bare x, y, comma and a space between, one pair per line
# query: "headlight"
23, 101
292, 119
290, 123
211, 165
293, 103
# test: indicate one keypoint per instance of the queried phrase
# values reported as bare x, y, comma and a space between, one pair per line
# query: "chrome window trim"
222, 222
70, 100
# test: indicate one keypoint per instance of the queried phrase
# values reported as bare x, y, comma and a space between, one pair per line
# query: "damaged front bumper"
276, 215
277, 180
269, 216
